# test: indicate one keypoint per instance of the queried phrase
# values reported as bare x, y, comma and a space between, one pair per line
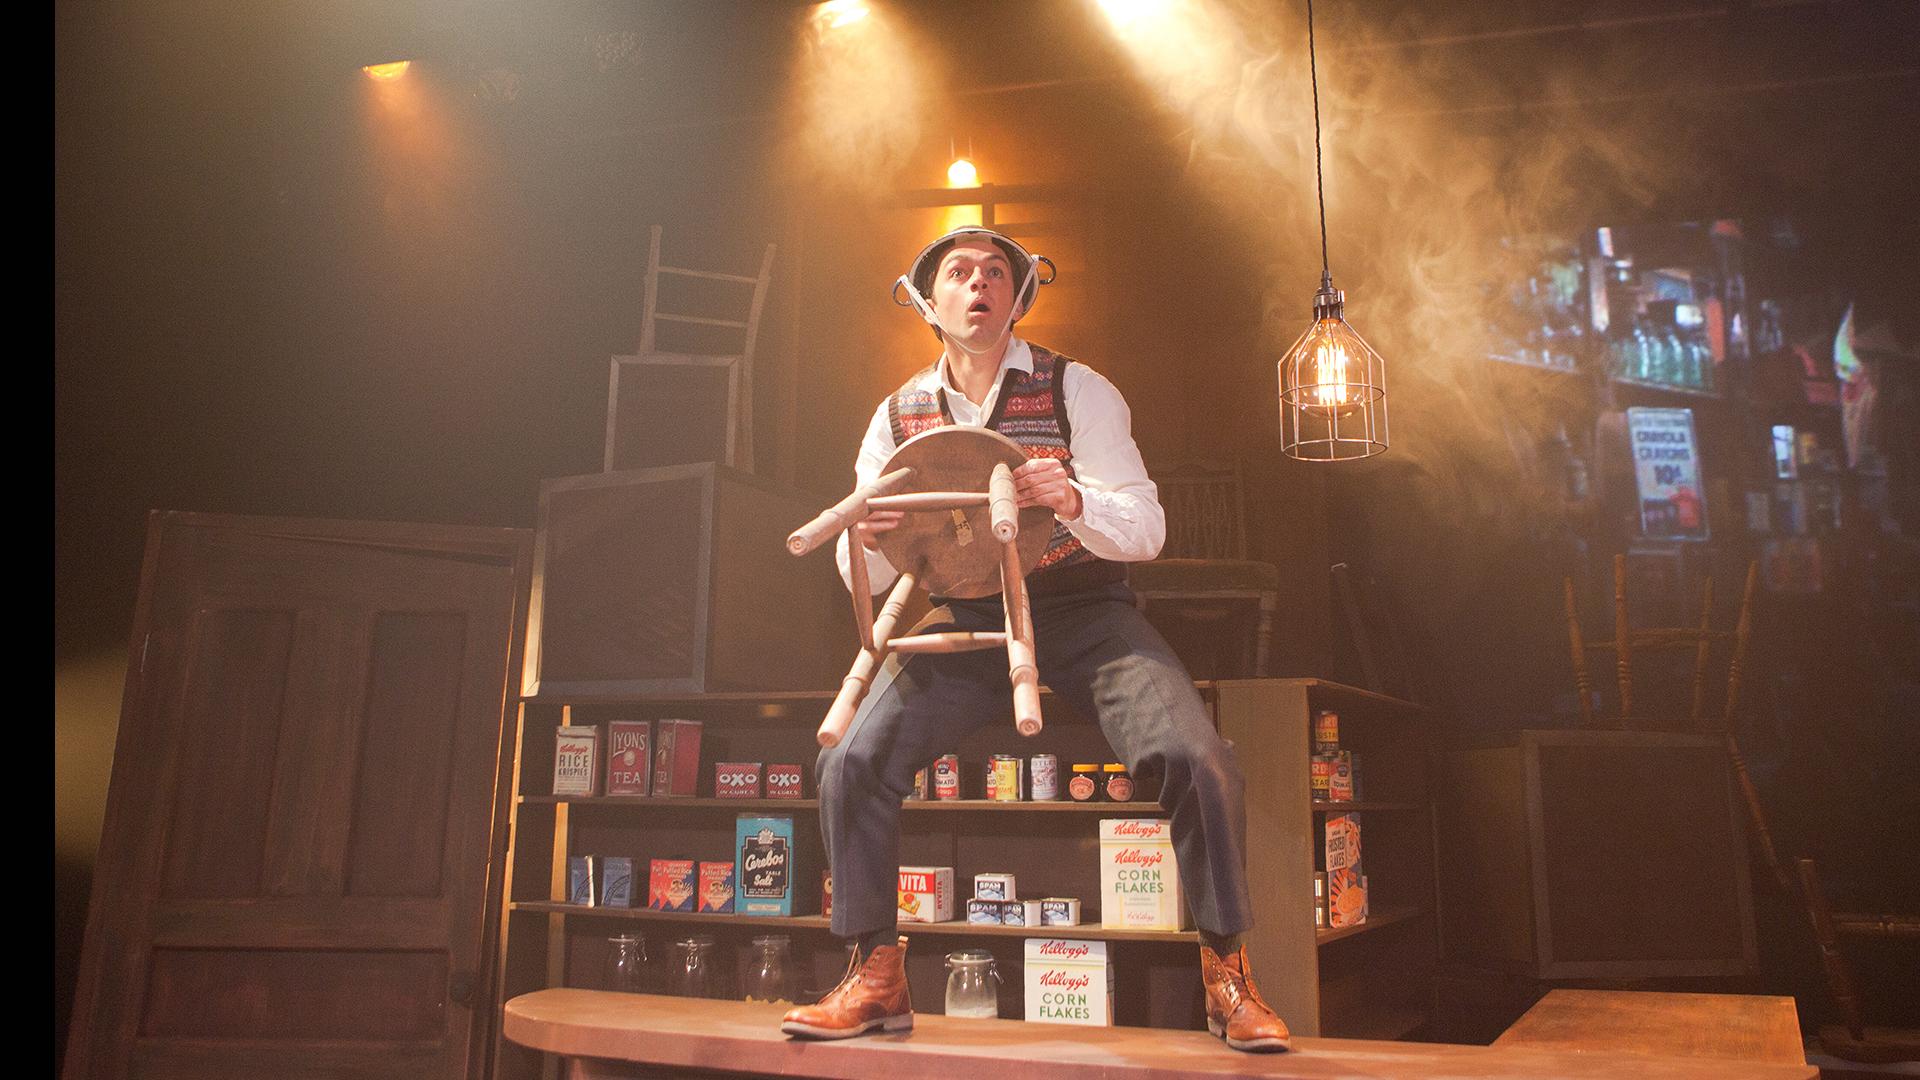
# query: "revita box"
1139, 883
926, 893
764, 885
1069, 982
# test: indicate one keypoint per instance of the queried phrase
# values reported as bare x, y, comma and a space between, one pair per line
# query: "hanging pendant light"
1333, 385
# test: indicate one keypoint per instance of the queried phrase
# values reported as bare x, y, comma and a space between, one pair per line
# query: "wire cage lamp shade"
1333, 388
1333, 385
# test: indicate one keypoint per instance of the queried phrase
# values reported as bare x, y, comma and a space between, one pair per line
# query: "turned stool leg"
853, 689
1022, 669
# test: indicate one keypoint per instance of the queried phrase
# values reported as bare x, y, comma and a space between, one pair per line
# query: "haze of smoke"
1421, 201
861, 103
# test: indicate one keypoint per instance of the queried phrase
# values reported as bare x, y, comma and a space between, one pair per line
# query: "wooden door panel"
316, 710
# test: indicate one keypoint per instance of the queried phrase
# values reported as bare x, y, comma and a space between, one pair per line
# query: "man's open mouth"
981, 307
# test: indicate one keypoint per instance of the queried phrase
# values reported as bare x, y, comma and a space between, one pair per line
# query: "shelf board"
1375, 921
644, 802
955, 928
1364, 804
1669, 388
662, 802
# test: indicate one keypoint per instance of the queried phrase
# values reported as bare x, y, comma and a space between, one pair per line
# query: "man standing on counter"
1094, 648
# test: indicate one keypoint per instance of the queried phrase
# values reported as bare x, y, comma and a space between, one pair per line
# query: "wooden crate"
678, 580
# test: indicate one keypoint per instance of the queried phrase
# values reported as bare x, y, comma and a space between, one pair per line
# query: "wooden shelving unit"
1361, 980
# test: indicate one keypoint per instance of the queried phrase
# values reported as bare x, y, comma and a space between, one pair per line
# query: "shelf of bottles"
1543, 323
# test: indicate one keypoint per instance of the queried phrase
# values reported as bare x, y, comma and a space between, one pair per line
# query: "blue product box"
763, 883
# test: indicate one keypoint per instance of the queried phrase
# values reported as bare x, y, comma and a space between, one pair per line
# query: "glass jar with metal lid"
973, 984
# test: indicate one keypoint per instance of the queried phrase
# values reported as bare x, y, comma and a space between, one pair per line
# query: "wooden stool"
962, 537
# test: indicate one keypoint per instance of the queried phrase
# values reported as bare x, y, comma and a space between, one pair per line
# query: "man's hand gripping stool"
936, 477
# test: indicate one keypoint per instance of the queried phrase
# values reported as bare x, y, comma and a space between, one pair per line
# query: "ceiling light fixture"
1333, 385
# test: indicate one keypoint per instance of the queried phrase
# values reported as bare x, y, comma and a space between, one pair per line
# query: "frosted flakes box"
1346, 888
1068, 982
1139, 881
926, 893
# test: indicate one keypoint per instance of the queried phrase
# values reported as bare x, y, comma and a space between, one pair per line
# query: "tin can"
1326, 732
920, 784
1045, 770
946, 776
1320, 775
1003, 778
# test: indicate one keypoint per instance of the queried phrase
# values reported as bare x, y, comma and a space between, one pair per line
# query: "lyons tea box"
676, 757
629, 757
926, 893
1139, 883
1069, 982
765, 879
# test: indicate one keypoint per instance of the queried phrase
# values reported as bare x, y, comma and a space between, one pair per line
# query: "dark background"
282, 289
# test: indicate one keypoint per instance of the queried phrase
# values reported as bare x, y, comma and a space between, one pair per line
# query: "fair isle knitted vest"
1032, 411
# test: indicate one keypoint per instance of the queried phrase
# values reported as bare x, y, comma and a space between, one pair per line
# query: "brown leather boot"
1235, 1010
872, 995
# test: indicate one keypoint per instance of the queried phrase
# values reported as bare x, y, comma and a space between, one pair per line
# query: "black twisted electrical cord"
1319, 184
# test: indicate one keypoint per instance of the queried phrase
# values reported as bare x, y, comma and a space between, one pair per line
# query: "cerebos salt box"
1069, 982
1139, 884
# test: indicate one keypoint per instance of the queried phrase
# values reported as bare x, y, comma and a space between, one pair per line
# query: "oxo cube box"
783, 781
1139, 882
736, 780
1069, 982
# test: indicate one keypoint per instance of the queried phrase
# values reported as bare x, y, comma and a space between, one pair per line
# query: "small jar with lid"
1116, 782
1084, 786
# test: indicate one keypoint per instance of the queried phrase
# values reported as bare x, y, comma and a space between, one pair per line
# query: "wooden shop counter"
604, 1035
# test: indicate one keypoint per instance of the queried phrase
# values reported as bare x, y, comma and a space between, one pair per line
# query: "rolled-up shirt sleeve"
875, 448
1120, 517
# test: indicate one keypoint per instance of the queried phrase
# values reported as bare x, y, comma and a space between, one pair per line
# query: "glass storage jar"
973, 984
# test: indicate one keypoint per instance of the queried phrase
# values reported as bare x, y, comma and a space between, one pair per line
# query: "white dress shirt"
1120, 515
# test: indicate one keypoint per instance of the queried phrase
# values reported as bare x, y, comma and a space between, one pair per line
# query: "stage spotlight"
1125, 13
962, 174
387, 72
835, 14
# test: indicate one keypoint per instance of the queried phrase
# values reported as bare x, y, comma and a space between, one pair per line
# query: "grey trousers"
1097, 652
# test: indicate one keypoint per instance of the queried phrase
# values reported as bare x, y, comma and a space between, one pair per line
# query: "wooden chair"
1205, 559
1852, 1039
650, 370
957, 485
1628, 640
